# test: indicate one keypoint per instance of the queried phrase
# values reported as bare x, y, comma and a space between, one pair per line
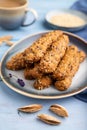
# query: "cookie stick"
63, 68
51, 59
65, 83
17, 62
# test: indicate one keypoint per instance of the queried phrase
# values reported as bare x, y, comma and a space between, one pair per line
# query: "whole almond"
48, 119
59, 110
30, 108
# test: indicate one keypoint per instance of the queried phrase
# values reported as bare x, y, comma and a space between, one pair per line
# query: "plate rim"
22, 92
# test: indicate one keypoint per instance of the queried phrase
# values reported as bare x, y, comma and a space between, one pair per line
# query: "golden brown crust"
37, 50
63, 84
51, 59
32, 73
17, 62
42, 83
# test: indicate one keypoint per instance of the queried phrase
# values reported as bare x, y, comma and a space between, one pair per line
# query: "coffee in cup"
13, 13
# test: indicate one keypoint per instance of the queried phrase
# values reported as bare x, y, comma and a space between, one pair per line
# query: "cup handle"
35, 15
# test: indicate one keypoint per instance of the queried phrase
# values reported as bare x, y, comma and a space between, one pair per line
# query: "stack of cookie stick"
65, 70
49, 60
33, 73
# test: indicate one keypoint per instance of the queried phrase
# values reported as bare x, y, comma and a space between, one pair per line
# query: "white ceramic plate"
52, 13
79, 81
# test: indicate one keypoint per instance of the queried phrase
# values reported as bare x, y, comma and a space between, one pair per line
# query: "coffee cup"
13, 14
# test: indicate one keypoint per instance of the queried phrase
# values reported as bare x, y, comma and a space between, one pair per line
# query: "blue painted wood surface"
10, 100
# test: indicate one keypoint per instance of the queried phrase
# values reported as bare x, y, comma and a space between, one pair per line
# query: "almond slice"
5, 38
59, 110
48, 119
30, 108
9, 43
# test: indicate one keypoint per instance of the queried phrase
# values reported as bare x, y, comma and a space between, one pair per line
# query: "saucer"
57, 12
